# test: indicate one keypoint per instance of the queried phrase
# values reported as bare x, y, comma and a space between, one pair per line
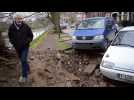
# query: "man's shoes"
23, 79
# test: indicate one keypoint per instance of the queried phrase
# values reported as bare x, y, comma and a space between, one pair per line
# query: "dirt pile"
47, 69
52, 68
66, 68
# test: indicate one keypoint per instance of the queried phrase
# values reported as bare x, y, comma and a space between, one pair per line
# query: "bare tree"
5, 18
2, 45
55, 19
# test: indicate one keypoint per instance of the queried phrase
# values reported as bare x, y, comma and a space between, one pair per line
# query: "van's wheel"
76, 50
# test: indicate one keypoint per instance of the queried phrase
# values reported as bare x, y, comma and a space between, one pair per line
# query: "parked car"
64, 25
93, 33
118, 61
73, 27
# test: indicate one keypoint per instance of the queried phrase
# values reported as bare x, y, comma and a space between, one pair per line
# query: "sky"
26, 13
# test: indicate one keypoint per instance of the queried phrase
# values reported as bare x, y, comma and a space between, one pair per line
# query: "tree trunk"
2, 45
3, 49
55, 19
58, 30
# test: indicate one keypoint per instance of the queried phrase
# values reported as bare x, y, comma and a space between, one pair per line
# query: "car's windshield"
91, 23
124, 38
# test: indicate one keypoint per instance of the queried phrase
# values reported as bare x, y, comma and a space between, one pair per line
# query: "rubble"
51, 68
31, 58
97, 73
68, 84
90, 68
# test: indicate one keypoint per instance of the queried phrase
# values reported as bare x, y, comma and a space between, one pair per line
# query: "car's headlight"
99, 37
107, 64
74, 37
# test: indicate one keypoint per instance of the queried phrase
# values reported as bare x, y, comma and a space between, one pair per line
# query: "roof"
129, 28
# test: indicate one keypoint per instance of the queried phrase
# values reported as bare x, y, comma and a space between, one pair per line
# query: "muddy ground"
71, 68
52, 68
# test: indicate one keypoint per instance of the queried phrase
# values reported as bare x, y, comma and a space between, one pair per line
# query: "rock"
99, 59
31, 58
46, 70
40, 74
70, 77
49, 76
67, 51
84, 84
68, 84
96, 85
97, 73
49, 69
62, 74
90, 68
68, 63
93, 60
80, 69
112, 85
58, 55
3, 80
59, 84
102, 84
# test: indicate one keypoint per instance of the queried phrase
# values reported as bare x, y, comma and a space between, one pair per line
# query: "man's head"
18, 18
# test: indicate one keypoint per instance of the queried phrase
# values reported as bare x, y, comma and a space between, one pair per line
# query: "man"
111, 28
114, 16
20, 36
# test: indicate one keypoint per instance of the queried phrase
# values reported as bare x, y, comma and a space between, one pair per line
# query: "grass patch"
38, 40
62, 42
63, 45
64, 37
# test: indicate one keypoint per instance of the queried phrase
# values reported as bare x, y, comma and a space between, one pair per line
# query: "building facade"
95, 14
119, 16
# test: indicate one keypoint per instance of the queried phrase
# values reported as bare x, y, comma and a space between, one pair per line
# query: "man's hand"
12, 48
28, 40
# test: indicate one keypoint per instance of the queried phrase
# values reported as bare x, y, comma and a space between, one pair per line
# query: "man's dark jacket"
20, 38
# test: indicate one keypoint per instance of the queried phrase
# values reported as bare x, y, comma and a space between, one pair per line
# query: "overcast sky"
26, 13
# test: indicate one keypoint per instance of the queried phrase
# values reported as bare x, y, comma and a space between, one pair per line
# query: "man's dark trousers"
23, 55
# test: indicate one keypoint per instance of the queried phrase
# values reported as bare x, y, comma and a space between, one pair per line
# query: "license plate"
125, 77
83, 38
